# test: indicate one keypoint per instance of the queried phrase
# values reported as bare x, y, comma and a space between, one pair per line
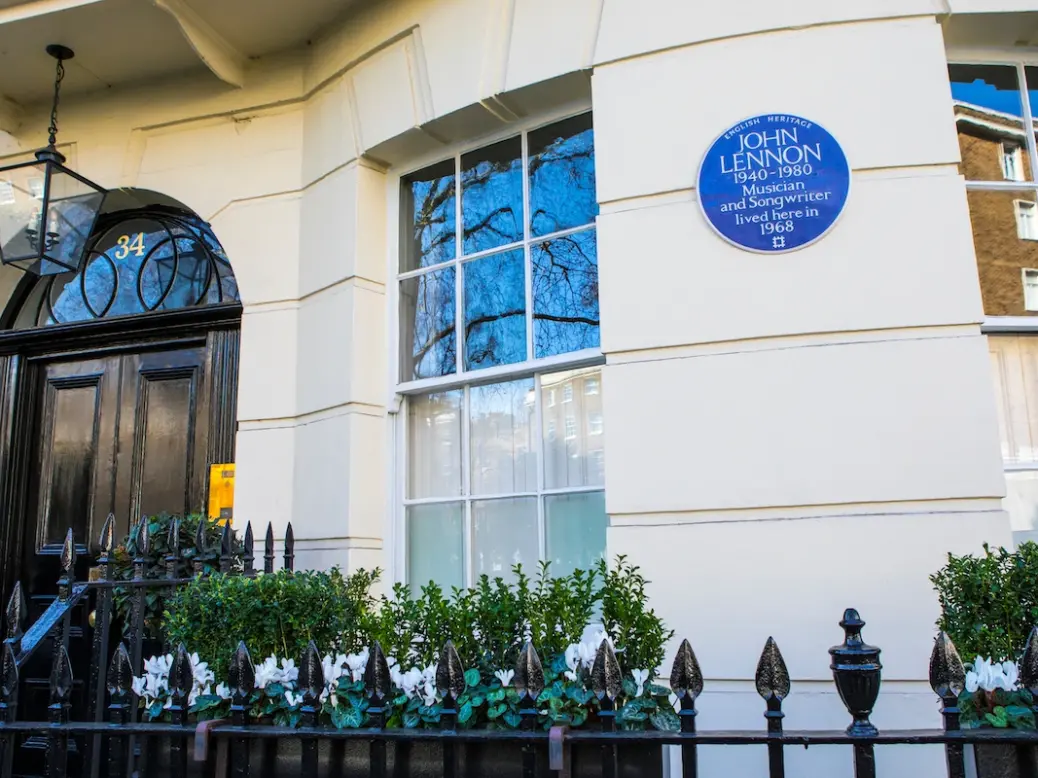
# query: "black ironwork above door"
140, 261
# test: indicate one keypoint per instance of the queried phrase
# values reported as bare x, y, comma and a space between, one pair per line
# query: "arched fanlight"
47, 212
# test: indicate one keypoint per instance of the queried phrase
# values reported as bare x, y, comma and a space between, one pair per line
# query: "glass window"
993, 105
526, 280
1014, 369
143, 263
498, 293
523, 496
1012, 162
1031, 289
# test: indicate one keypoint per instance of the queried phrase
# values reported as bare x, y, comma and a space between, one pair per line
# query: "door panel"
78, 418
163, 434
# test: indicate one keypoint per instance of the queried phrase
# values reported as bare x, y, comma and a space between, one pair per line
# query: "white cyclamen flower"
640, 677
357, 663
972, 682
572, 660
1010, 675
293, 699
267, 672
289, 672
223, 691
504, 676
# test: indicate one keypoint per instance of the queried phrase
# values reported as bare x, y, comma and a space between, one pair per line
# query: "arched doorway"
118, 387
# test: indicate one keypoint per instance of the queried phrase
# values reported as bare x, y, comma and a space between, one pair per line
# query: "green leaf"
512, 719
411, 720
665, 720
580, 716
496, 712
629, 687
353, 719
496, 695
472, 677
477, 700
465, 713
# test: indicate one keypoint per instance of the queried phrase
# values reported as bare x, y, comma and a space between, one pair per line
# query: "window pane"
562, 176
427, 327
576, 531
492, 196
574, 457
495, 310
428, 211
1021, 501
435, 549
565, 294
989, 120
434, 447
502, 430
1005, 238
505, 535
1014, 370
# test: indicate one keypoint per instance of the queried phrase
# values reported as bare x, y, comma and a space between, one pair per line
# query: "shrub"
639, 633
155, 565
989, 603
276, 614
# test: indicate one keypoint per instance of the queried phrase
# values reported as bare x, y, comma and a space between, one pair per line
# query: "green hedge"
278, 614
989, 603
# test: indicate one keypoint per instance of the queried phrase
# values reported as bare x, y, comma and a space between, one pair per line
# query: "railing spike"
268, 549
290, 548
377, 684
685, 676
450, 673
311, 674
61, 678
242, 675
606, 681
1029, 664
529, 674
68, 552
16, 613
947, 673
226, 539
181, 677
201, 541
173, 538
120, 671
143, 537
248, 551
772, 678
107, 538
9, 674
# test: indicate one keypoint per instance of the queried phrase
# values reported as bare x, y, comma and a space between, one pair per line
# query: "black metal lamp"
47, 212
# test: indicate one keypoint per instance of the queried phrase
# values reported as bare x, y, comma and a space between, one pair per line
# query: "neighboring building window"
1012, 162
1031, 289
591, 387
498, 299
994, 109
1025, 221
595, 424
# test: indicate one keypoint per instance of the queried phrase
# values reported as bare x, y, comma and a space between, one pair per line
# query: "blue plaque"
773, 183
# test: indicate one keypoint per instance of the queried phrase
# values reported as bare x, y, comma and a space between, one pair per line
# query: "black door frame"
24, 352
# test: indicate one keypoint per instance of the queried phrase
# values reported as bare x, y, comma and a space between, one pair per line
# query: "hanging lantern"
47, 212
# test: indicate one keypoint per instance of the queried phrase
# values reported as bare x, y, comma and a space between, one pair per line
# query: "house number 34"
126, 245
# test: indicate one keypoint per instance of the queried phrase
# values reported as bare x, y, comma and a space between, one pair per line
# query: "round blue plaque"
773, 183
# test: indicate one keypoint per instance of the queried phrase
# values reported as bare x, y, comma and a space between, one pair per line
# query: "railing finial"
856, 671
529, 675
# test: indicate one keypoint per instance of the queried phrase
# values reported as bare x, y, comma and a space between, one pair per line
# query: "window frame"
1017, 155
1007, 325
400, 391
1033, 273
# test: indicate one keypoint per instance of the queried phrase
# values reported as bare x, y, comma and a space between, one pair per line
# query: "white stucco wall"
787, 436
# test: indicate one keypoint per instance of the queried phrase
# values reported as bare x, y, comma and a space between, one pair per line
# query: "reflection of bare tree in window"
565, 272
118, 280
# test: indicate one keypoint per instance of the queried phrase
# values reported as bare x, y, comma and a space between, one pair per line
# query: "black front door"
124, 434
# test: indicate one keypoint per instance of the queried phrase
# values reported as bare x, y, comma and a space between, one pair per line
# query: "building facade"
455, 305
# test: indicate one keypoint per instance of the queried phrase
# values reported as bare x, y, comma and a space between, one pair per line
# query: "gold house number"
126, 246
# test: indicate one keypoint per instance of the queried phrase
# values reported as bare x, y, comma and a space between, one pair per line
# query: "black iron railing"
112, 741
